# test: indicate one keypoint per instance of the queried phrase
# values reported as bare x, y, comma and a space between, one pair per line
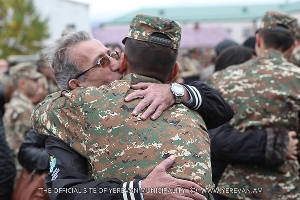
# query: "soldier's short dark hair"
276, 39
232, 56
149, 59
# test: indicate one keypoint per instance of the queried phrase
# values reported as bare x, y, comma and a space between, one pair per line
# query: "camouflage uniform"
264, 92
16, 119
98, 124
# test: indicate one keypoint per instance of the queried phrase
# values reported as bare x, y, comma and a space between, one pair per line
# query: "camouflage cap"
279, 21
142, 26
24, 70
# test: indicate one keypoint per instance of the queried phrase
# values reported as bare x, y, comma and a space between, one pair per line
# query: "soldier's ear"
288, 53
74, 83
173, 73
123, 63
257, 40
21, 83
296, 43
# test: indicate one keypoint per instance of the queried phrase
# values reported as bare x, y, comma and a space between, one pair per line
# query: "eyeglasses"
102, 62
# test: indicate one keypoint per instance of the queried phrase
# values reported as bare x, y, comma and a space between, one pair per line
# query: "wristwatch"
178, 91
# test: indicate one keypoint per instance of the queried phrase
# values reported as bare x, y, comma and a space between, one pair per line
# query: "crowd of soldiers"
23, 85
232, 125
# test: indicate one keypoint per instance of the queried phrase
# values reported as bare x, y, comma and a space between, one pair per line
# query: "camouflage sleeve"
209, 104
16, 125
68, 173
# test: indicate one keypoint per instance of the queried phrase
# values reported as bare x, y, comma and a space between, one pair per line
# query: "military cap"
279, 21
142, 26
24, 70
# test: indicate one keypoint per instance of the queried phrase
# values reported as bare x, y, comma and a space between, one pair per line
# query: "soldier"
264, 93
16, 118
49, 82
153, 146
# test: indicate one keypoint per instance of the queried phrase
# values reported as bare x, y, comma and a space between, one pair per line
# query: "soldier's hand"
291, 152
156, 97
159, 179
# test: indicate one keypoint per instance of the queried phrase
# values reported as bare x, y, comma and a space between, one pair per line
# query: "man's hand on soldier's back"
176, 189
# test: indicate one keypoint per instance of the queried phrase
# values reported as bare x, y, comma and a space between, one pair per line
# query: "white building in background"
63, 14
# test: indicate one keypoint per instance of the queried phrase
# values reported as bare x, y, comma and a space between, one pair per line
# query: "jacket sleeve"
267, 147
209, 104
32, 154
68, 170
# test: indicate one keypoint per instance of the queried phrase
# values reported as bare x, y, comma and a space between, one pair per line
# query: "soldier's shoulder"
51, 101
291, 67
187, 116
115, 90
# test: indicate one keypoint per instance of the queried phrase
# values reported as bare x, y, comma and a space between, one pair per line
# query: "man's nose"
114, 65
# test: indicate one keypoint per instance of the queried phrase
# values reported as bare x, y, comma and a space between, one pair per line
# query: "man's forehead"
88, 48
92, 44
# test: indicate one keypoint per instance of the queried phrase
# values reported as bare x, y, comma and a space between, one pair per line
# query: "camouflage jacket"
16, 120
264, 92
98, 124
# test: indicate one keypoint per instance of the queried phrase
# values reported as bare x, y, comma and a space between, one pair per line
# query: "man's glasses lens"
115, 55
103, 62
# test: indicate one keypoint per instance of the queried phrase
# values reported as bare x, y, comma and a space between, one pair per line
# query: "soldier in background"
264, 92
16, 118
233, 55
224, 44
249, 42
50, 84
76, 82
